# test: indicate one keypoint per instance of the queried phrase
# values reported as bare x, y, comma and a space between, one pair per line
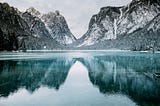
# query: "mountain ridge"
27, 31
111, 24
56, 25
130, 27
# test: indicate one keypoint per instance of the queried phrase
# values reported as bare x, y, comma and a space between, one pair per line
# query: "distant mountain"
39, 30
131, 27
58, 28
32, 30
56, 25
37, 27
116, 27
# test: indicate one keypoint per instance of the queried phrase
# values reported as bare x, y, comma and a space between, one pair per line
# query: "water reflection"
32, 74
130, 76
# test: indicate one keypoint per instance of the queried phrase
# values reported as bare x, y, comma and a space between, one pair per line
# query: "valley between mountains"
135, 27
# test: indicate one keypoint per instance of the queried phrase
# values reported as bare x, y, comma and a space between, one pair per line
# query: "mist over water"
76, 79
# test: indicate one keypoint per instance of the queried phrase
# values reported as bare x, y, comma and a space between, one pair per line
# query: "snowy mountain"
37, 27
38, 30
146, 38
102, 26
111, 24
52, 24
33, 12
58, 28
32, 30
132, 27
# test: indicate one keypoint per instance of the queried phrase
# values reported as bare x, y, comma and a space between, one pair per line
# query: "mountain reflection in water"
130, 76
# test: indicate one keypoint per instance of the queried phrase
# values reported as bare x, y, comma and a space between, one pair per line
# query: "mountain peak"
58, 27
33, 11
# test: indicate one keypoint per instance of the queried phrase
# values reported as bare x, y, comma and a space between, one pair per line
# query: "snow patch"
115, 29
68, 40
121, 13
35, 35
49, 30
87, 42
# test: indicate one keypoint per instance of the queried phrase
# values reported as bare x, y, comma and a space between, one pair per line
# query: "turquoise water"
79, 79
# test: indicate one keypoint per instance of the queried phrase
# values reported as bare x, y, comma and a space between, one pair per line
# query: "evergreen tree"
15, 41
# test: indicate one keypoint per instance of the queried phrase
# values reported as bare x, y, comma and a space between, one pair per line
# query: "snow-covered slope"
34, 12
136, 15
55, 24
37, 27
58, 28
102, 26
147, 38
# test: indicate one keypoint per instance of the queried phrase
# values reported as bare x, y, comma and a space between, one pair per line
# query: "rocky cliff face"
136, 15
102, 26
58, 28
146, 38
54, 24
39, 30
36, 26
111, 24
12, 27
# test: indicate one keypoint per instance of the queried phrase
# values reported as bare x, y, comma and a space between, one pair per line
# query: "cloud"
76, 12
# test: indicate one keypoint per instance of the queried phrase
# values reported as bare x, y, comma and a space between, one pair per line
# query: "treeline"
8, 42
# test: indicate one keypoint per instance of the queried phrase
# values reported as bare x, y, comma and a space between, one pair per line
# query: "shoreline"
111, 50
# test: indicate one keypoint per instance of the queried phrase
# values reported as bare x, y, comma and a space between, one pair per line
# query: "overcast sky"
76, 12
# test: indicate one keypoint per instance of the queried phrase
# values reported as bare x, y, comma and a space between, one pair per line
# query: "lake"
75, 78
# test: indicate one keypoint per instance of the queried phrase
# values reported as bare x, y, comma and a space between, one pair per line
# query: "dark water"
79, 79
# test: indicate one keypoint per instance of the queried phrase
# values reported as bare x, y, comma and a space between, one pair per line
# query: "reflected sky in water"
79, 79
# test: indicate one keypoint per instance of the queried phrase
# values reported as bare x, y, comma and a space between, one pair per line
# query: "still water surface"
79, 79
